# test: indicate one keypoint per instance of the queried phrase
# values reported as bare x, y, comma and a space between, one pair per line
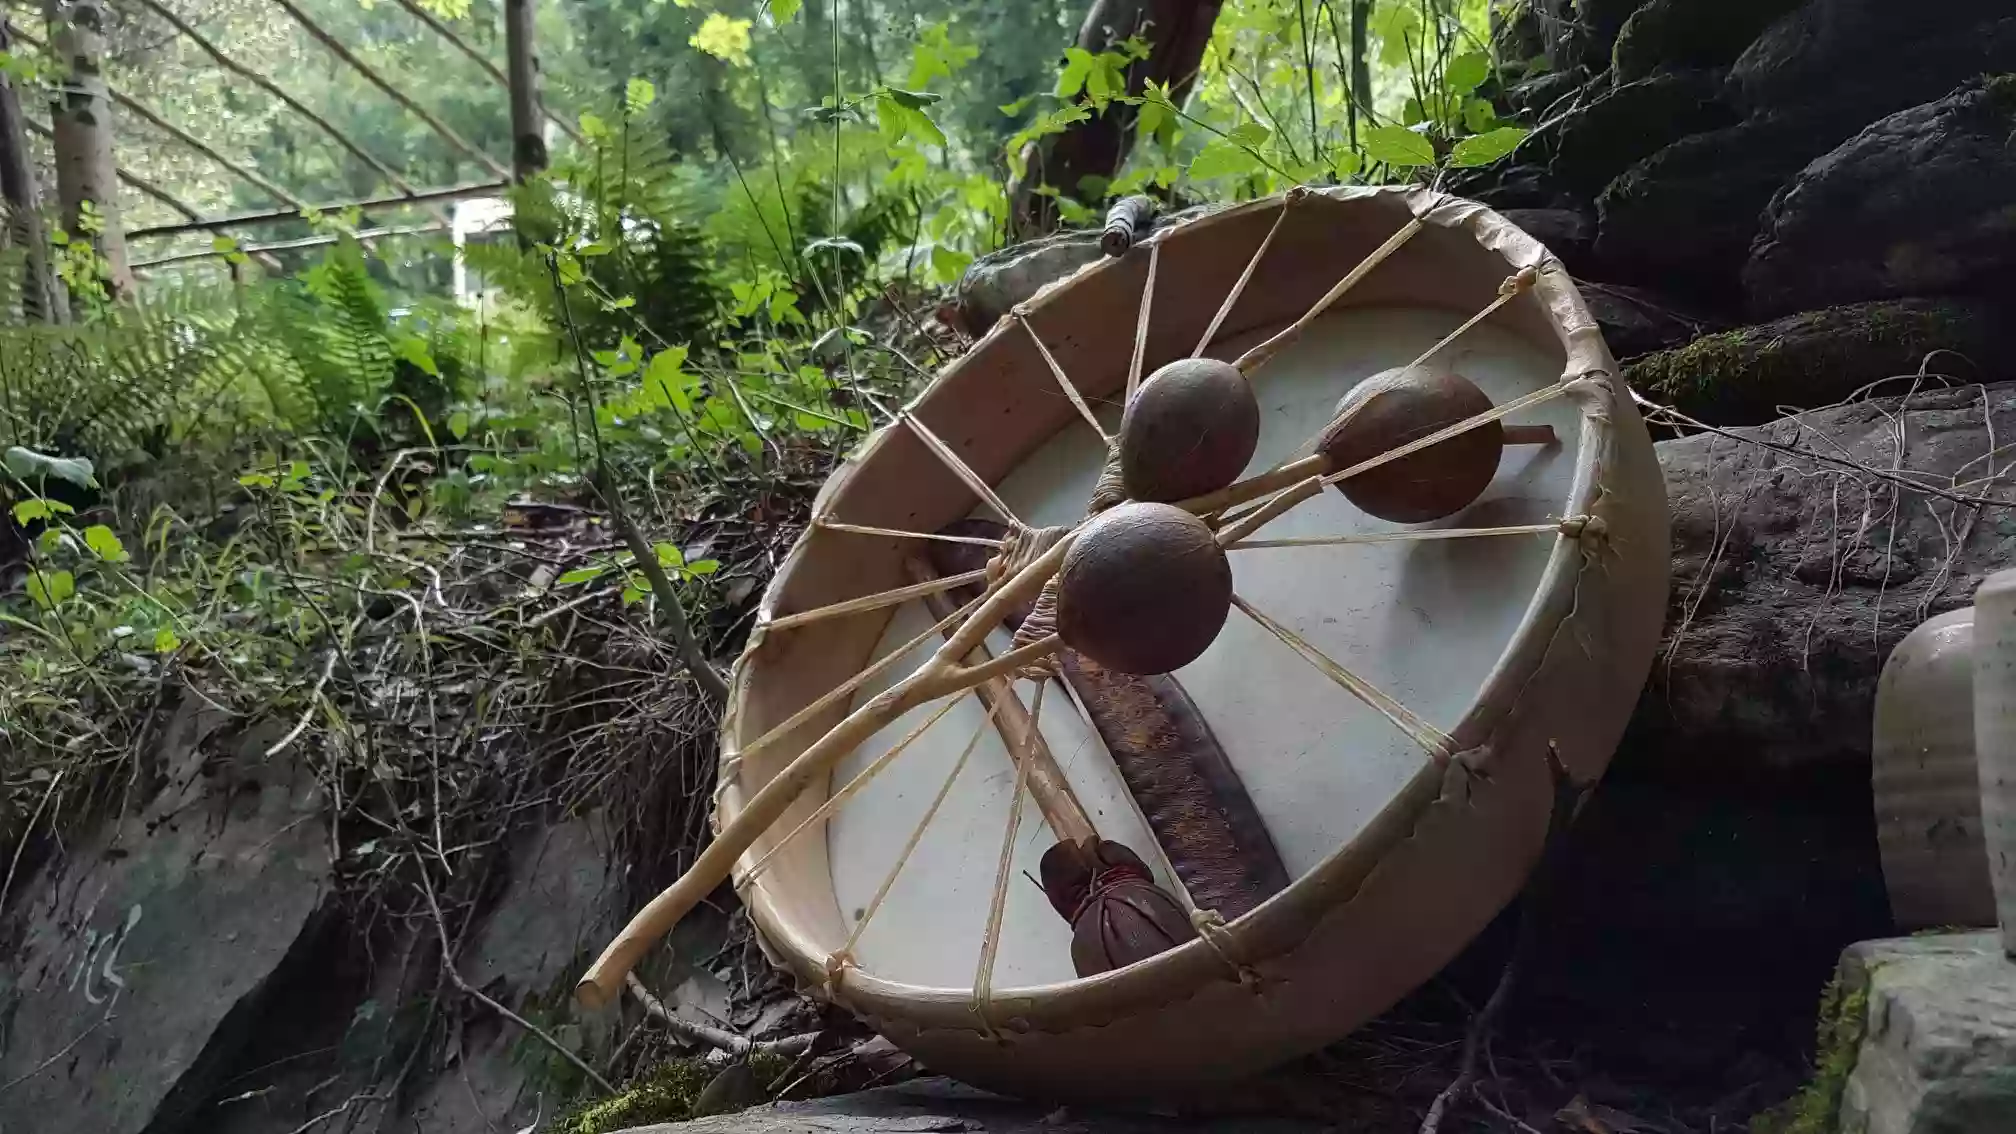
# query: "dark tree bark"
528, 143
1177, 31
22, 223
81, 114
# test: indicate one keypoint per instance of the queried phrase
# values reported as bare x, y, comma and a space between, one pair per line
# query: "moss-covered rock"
672, 1092
1690, 33
1844, 1019
1817, 358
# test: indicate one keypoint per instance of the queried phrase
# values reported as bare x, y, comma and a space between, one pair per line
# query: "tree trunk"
1361, 67
1176, 31
81, 114
528, 141
22, 203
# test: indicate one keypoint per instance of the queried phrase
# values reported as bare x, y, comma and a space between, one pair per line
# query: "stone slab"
1938, 1054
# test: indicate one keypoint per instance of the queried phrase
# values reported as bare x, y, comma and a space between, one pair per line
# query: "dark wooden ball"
1145, 589
1190, 429
1389, 410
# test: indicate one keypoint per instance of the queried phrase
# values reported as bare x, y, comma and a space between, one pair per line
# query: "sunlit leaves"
784, 11
105, 544
37, 510
1485, 148
638, 95
724, 37
900, 114
936, 56
1231, 155
1466, 72
1398, 146
1100, 77
50, 589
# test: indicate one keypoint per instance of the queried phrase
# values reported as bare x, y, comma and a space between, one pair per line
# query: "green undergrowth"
1844, 1018
669, 1093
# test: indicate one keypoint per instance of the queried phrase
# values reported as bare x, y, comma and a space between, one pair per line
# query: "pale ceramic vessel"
1995, 737
1925, 780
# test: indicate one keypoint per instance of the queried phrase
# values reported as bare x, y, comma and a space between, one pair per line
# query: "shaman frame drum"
1411, 882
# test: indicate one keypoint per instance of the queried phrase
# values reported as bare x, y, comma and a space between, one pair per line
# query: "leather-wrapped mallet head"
1118, 914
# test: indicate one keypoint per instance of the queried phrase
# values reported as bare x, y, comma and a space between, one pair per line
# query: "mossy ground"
1844, 1018
669, 1093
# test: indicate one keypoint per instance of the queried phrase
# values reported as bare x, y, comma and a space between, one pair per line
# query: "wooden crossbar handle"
1529, 435
1047, 784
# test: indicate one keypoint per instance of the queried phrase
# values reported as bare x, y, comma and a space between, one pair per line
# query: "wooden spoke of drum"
917, 834
1245, 277
897, 533
990, 945
1396, 537
852, 788
1434, 741
1140, 359
961, 469
876, 601
1063, 379
1253, 359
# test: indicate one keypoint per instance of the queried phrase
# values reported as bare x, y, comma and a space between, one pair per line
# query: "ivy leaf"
1467, 72
1488, 147
1078, 67
50, 588
1478, 115
1221, 157
105, 544
28, 464
725, 38
1398, 146
28, 511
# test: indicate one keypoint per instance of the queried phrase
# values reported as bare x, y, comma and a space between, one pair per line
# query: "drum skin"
1384, 911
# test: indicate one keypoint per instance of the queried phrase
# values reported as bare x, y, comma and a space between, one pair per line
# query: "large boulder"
1690, 34
1637, 322
1816, 358
1797, 568
148, 955
1917, 203
1683, 219
1938, 1049
1875, 54
1632, 122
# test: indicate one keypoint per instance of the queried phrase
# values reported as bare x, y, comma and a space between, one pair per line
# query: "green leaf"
784, 11
638, 95
105, 544
666, 382
1398, 146
1467, 72
1221, 157
580, 575
668, 555
30, 465
458, 424
29, 511
414, 350
1078, 66
703, 567
1347, 163
569, 269
1488, 147
593, 126
912, 100
1478, 115
1249, 134
50, 588
165, 641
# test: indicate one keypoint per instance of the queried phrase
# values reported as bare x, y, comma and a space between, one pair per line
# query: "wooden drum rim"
1288, 920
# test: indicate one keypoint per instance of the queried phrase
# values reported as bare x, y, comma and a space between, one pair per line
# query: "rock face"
942, 1105
1633, 122
1793, 578
1637, 322
1876, 54
1690, 33
1938, 1054
140, 977
1816, 358
1919, 203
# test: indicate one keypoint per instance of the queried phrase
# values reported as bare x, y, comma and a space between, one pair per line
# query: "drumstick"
1047, 784
939, 676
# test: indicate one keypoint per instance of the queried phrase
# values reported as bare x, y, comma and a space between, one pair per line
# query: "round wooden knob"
1392, 408
1189, 430
1144, 590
